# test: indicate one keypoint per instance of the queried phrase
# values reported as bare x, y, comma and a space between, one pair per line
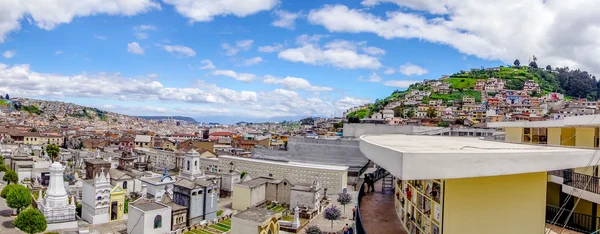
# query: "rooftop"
148, 206
255, 214
411, 157
295, 164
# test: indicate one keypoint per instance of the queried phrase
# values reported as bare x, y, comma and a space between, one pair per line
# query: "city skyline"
269, 58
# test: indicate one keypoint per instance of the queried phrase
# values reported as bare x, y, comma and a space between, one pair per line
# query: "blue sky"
209, 58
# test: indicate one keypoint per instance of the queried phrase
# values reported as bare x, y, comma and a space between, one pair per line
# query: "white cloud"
244, 44
375, 78
389, 71
206, 10
58, 52
286, 19
100, 37
246, 77
338, 53
306, 39
9, 54
549, 32
207, 64
48, 14
433, 6
411, 69
134, 48
253, 61
373, 50
140, 31
180, 50
241, 45
270, 49
201, 98
399, 83
295, 83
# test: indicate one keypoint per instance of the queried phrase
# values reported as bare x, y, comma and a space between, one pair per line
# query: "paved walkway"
378, 213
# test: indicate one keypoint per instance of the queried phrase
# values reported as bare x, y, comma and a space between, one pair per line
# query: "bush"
313, 230
18, 198
7, 189
219, 212
31, 221
11, 176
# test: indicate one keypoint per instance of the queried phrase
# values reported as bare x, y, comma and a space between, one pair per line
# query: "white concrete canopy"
411, 157
572, 121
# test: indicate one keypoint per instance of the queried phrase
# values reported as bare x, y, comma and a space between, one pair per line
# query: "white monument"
96, 198
191, 167
55, 206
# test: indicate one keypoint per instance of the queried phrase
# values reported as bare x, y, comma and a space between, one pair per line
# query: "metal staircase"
387, 184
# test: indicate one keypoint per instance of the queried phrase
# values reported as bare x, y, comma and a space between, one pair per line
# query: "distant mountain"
239, 119
181, 118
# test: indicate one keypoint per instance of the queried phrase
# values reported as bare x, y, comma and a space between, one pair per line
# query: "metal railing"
577, 222
377, 175
581, 181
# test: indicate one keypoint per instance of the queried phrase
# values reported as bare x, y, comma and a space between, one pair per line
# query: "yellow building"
168, 144
117, 203
461, 185
581, 132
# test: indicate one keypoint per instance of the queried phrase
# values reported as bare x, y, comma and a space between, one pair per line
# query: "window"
157, 222
124, 184
188, 165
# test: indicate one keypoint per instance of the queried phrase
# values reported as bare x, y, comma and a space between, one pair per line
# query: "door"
114, 210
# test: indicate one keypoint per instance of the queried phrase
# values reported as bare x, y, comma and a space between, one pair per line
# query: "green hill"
572, 83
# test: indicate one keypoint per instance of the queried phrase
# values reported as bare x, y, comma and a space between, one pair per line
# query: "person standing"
346, 229
354, 213
367, 181
371, 183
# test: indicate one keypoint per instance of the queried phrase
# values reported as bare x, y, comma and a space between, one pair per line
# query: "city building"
448, 185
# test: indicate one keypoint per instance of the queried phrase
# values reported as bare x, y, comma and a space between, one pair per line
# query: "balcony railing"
577, 222
377, 175
581, 181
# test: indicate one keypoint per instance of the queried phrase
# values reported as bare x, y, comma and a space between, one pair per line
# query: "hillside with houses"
482, 95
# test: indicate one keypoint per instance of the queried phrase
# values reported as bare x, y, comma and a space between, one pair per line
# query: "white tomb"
59, 212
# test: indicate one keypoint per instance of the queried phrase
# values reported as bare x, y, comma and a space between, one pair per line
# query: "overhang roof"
411, 157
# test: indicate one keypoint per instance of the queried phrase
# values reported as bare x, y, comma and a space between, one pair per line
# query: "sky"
258, 59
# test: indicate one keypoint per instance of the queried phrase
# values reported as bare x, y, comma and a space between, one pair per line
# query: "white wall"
357, 130
240, 226
146, 222
257, 194
300, 198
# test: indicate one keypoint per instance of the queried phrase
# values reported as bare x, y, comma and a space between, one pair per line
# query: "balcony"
577, 221
376, 211
589, 184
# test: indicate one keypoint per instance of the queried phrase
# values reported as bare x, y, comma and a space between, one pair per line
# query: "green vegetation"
19, 197
7, 189
221, 227
10, 176
461, 83
219, 212
31, 221
52, 150
31, 110
360, 114
457, 95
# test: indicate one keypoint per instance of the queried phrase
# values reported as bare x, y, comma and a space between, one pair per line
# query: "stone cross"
296, 222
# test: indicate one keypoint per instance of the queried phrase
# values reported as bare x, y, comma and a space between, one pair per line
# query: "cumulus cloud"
9, 54
246, 77
241, 45
206, 10
338, 53
389, 71
271, 48
286, 19
48, 14
295, 83
140, 31
21, 81
180, 50
411, 69
207, 65
373, 50
549, 33
253, 61
375, 78
135, 48
399, 83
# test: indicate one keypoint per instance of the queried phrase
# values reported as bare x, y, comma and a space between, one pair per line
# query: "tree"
52, 150
431, 113
307, 121
410, 113
7, 97
33, 130
31, 221
533, 64
10, 176
332, 213
399, 111
2, 166
7, 189
344, 199
517, 63
18, 198
314, 229
548, 68
444, 124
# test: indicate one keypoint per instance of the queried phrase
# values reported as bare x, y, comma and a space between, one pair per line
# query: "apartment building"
581, 182
458, 185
